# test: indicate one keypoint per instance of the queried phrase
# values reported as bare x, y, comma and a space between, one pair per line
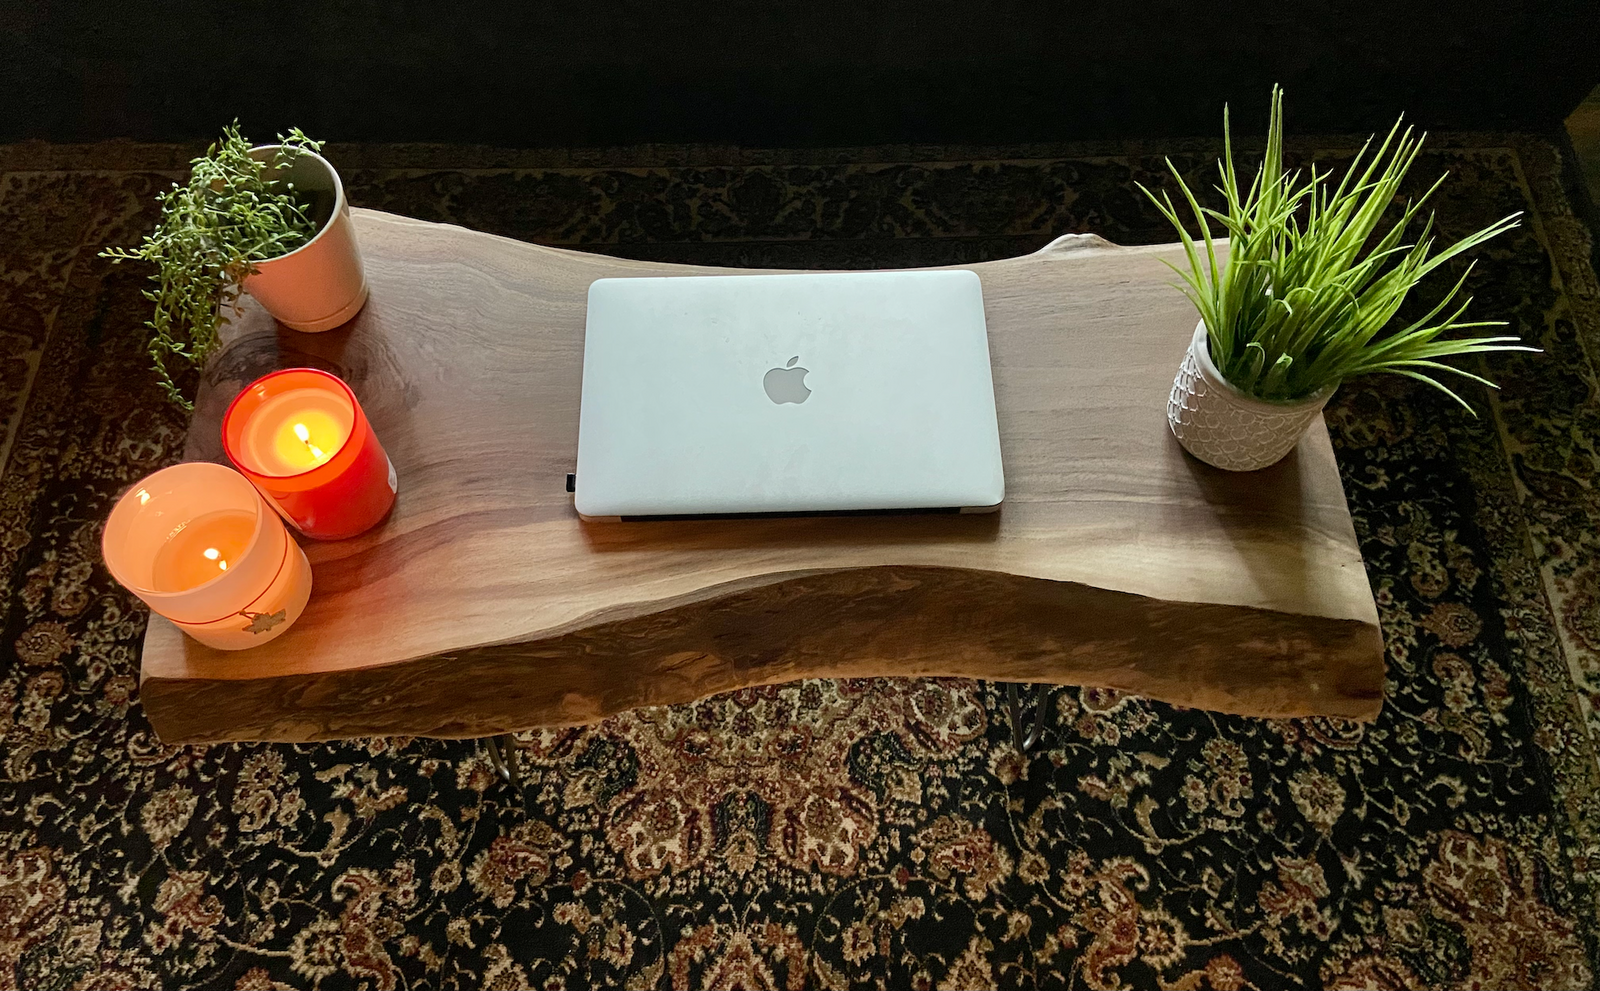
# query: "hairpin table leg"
503, 758
1041, 696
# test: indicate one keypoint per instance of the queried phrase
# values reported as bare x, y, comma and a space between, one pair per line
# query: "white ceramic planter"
1223, 427
321, 284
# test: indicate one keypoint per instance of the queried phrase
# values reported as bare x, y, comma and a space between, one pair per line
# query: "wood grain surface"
483, 604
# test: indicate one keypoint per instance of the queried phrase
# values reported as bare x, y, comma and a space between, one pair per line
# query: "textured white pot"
1222, 426
321, 284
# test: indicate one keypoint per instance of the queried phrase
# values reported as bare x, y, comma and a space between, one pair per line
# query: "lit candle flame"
301, 432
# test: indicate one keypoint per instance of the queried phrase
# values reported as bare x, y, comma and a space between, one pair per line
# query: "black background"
781, 73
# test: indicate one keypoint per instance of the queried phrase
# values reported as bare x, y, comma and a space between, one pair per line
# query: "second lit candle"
300, 436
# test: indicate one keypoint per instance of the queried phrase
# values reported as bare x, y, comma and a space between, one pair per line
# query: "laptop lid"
806, 393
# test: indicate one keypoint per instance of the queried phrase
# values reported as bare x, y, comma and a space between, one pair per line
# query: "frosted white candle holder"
260, 586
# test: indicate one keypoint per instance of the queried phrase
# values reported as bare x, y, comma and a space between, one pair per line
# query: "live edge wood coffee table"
484, 605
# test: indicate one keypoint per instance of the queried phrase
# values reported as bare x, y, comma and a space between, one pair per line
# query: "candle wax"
297, 431
201, 549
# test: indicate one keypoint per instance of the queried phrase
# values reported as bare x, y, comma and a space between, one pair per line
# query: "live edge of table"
485, 605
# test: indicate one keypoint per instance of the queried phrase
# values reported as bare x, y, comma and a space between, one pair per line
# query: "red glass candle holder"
300, 436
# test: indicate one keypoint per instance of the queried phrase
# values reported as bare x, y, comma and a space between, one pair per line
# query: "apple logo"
787, 384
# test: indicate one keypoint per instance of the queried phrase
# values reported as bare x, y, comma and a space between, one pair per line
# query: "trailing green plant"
1307, 294
231, 214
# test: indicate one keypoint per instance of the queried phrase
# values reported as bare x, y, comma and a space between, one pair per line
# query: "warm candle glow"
201, 549
297, 431
301, 432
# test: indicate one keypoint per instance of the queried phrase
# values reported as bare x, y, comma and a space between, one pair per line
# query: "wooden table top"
484, 604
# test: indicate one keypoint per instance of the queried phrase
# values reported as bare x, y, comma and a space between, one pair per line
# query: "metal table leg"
503, 758
1041, 696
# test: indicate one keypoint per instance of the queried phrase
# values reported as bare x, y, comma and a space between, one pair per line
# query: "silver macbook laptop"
787, 394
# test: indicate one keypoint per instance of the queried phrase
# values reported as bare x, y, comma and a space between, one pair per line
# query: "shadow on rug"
828, 834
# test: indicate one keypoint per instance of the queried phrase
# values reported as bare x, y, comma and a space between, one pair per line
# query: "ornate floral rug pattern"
825, 834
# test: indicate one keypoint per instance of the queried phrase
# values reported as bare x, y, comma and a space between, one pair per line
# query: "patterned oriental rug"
826, 834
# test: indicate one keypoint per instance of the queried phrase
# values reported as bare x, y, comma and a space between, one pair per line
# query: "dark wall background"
779, 72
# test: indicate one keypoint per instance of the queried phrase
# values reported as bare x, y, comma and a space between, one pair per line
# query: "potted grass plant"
1303, 295
270, 220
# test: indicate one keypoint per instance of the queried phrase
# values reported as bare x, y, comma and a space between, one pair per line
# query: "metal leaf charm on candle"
261, 622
